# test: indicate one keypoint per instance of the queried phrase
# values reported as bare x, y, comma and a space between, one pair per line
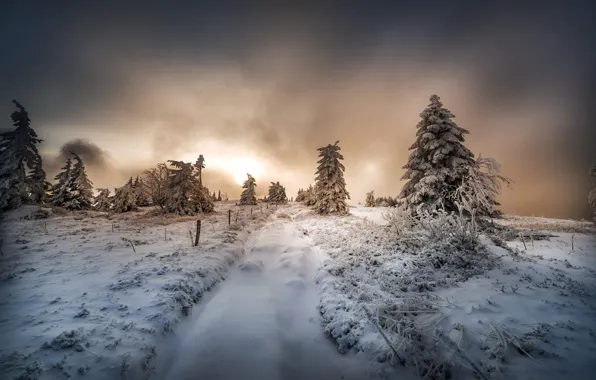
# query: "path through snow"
263, 322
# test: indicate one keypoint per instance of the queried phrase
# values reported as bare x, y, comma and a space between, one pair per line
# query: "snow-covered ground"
76, 299
525, 312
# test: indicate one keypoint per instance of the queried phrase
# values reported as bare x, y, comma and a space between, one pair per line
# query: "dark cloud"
283, 80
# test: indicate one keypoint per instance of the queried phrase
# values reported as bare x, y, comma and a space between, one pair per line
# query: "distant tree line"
441, 173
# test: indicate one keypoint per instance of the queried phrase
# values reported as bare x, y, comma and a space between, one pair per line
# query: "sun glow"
239, 167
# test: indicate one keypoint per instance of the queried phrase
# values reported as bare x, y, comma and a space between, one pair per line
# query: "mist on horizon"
259, 90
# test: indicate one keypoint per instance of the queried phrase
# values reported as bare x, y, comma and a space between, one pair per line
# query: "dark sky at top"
520, 75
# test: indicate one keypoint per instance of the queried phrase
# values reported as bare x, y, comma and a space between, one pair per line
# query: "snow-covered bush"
155, 184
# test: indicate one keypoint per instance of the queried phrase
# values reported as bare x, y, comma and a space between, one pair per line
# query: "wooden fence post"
229, 217
198, 234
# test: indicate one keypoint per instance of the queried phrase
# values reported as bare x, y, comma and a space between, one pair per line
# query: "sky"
258, 86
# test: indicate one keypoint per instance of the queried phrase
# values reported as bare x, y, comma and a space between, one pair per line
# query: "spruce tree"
370, 199
103, 201
125, 198
60, 192
22, 178
37, 186
219, 195
438, 162
301, 196
141, 192
186, 194
330, 188
277, 193
200, 165
248, 196
79, 187
592, 196
309, 196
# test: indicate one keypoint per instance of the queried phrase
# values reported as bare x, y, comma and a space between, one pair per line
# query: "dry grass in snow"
87, 293
440, 308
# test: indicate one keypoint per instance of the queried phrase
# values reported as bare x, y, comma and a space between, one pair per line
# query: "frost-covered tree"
60, 191
22, 178
592, 196
309, 196
103, 201
370, 199
301, 196
155, 183
248, 196
200, 165
79, 187
385, 202
186, 195
277, 193
125, 198
142, 192
480, 187
330, 188
37, 186
219, 195
438, 162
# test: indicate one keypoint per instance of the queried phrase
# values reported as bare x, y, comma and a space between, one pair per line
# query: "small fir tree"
277, 193
248, 196
370, 199
60, 192
330, 189
438, 162
103, 200
79, 187
125, 198
186, 194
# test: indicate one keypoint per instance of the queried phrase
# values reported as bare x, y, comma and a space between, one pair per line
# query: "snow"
78, 299
540, 298
264, 324
282, 293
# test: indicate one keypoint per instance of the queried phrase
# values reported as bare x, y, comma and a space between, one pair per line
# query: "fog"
128, 88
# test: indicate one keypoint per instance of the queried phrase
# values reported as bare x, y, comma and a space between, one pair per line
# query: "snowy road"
263, 322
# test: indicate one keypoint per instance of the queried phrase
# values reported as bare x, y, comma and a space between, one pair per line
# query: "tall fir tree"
219, 195
438, 162
22, 178
330, 188
200, 165
60, 191
79, 187
248, 196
